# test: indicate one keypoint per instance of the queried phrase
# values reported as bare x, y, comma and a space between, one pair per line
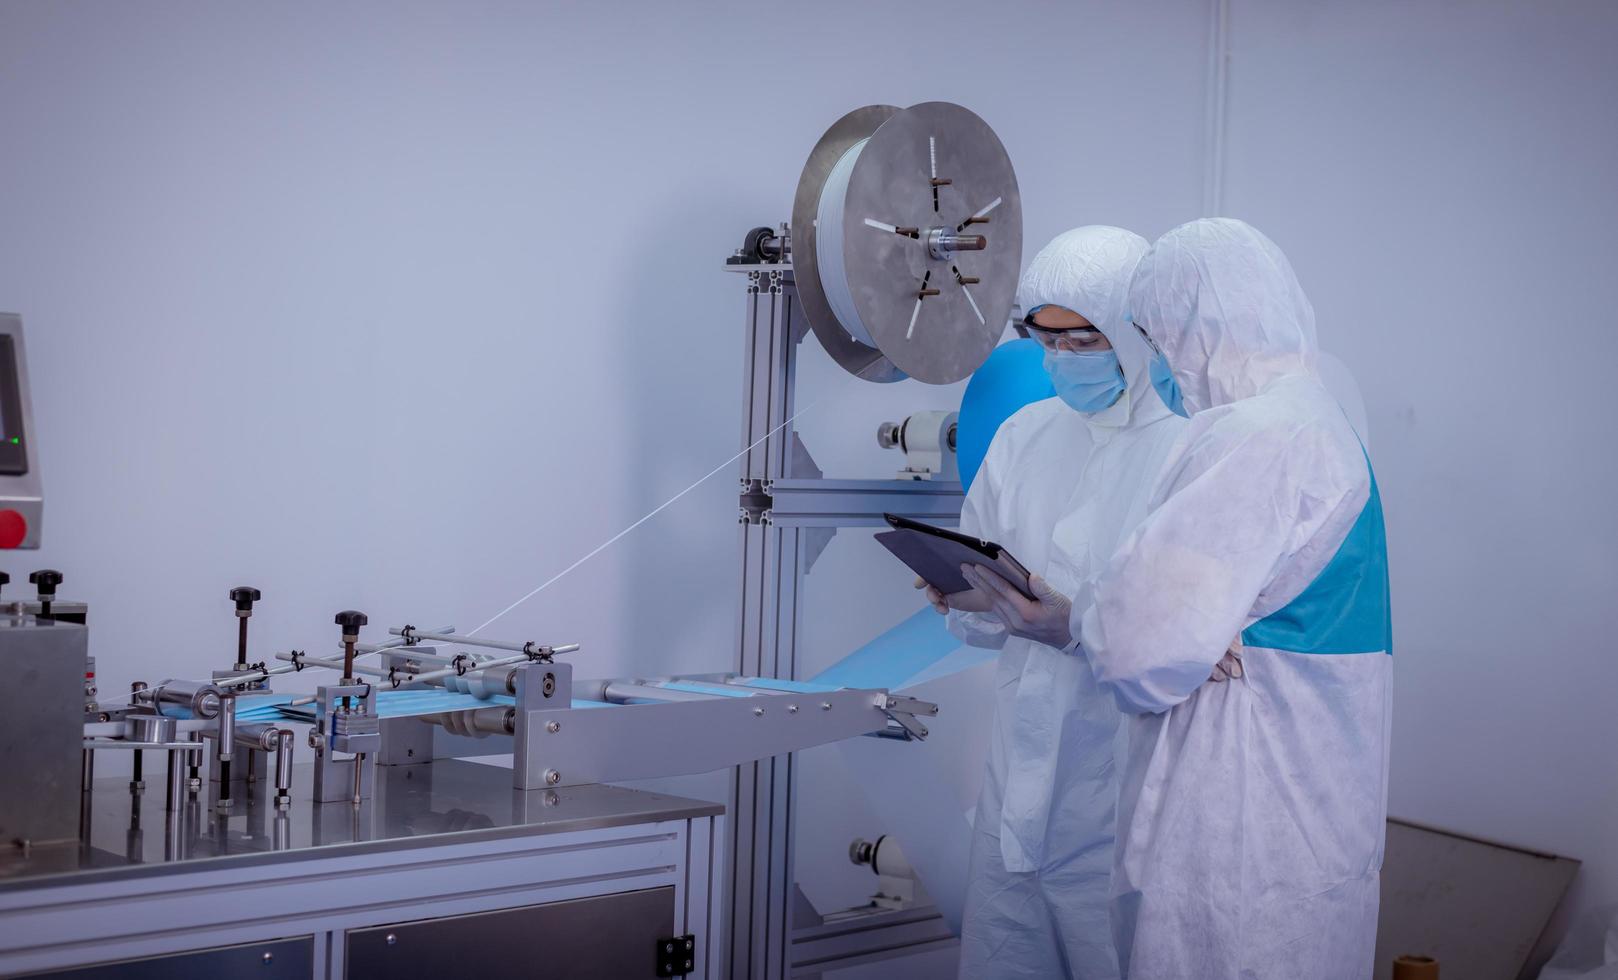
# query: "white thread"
655, 511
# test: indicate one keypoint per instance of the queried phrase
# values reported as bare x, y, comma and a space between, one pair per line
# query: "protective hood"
1224, 305
1087, 270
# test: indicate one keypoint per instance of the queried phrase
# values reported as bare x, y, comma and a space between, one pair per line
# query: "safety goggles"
1156, 350
1073, 340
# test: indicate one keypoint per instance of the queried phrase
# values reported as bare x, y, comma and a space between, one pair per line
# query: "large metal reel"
912, 210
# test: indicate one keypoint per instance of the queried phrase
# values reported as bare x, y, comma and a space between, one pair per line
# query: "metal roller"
907, 241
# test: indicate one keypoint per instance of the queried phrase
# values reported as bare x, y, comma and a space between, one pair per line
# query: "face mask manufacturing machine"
389, 854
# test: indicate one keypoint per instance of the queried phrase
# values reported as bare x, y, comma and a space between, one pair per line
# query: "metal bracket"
903, 711
800, 464
677, 956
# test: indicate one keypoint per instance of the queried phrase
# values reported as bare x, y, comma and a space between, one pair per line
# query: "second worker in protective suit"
1063, 482
1251, 812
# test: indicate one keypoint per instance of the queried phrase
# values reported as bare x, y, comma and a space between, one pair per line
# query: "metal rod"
201, 698
529, 647
121, 743
225, 745
359, 669
227, 728
256, 735
283, 768
360, 649
176, 788
499, 720
241, 643
420, 634
623, 693
431, 675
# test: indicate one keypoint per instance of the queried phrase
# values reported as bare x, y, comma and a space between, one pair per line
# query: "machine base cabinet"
608, 937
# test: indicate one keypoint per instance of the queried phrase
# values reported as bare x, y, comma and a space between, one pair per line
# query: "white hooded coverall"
1251, 812
1059, 489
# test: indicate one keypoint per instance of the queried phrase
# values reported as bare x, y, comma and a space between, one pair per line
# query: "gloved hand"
1043, 621
1230, 665
969, 601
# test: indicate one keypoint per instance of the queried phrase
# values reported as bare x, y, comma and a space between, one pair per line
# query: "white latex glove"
969, 601
1230, 665
1043, 621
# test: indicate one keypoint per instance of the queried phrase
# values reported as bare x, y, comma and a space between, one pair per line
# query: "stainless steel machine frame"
788, 515
445, 861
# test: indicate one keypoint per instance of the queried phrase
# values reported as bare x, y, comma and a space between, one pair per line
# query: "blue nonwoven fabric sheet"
914, 650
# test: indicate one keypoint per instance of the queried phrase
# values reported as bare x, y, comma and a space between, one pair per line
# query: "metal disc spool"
925, 283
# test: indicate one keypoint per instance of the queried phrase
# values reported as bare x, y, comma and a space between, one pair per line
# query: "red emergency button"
13, 529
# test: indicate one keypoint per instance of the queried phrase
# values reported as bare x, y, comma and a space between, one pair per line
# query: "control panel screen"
13, 440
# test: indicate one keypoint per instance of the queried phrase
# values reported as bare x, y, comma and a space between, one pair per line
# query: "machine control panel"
21, 498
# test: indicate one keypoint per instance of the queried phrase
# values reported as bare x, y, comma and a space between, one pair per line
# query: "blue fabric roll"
1013, 376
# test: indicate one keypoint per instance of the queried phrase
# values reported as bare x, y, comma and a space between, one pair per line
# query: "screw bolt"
552, 777
553, 727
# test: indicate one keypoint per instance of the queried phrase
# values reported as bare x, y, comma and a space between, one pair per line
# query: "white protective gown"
1251, 812
1059, 489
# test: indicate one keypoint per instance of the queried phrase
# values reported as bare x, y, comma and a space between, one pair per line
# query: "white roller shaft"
829, 246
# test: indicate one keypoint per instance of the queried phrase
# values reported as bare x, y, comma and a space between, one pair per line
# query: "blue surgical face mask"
1087, 382
1168, 389
1162, 376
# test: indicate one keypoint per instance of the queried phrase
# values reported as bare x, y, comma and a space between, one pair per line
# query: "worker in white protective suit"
1063, 480
1251, 812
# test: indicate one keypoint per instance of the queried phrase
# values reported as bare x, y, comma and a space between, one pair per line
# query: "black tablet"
937, 554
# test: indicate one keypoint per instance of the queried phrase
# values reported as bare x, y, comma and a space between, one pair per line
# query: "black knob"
244, 597
46, 580
351, 620
5, 577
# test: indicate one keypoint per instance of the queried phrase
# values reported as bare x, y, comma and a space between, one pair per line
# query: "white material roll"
829, 245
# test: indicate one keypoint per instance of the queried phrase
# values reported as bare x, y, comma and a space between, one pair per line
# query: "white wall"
1441, 175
